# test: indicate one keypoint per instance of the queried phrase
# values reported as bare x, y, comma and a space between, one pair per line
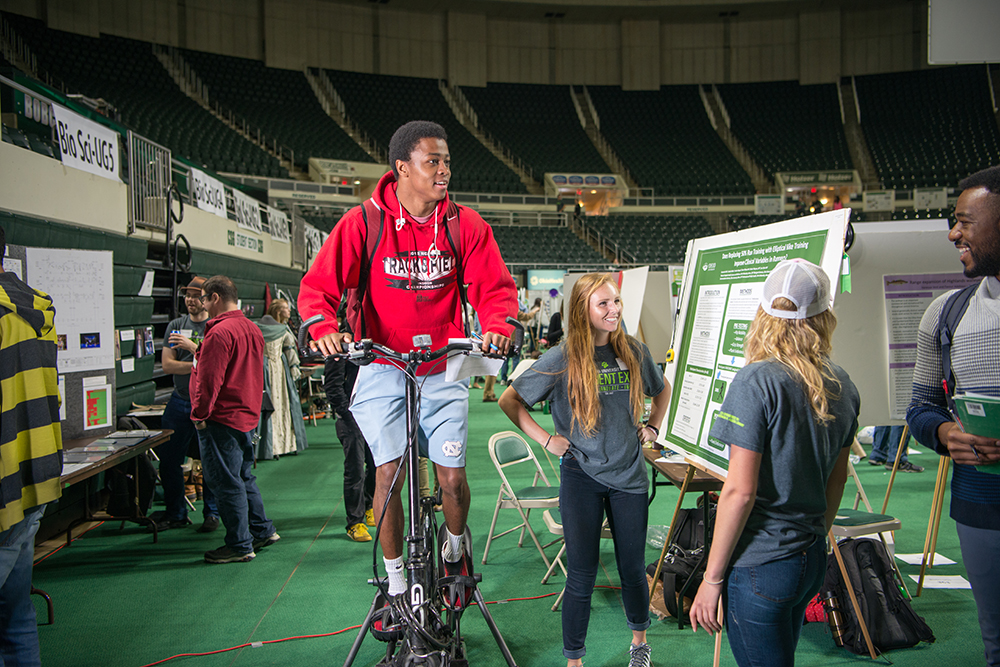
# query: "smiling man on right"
958, 352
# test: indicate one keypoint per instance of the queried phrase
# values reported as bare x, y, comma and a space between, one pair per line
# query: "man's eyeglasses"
203, 297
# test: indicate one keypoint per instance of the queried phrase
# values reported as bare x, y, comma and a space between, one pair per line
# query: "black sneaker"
906, 466
226, 555
266, 541
209, 525
873, 462
163, 523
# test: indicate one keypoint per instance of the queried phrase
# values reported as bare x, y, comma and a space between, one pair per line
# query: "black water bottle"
835, 617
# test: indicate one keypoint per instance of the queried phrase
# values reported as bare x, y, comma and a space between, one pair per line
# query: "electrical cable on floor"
329, 634
62, 546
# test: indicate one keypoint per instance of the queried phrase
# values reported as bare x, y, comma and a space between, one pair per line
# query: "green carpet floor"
123, 601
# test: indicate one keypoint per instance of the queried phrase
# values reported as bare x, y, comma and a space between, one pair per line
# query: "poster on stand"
721, 290
906, 299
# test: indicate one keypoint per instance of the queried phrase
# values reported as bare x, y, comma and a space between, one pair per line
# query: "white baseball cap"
801, 282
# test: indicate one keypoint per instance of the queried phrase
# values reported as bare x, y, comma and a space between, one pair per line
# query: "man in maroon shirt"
227, 383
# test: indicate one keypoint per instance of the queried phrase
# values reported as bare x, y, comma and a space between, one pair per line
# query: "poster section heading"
906, 299
725, 292
86, 145
209, 193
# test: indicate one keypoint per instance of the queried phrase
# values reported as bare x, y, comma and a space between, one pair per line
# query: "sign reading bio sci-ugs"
86, 145
209, 193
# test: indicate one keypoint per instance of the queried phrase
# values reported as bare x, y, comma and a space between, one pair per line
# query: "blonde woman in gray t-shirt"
789, 419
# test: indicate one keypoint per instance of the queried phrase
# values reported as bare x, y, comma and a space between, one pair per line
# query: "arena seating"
379, 104
788, 127
539, 124
666, 141
653, 240
278, 101
125, 73
930, 127
927, 214
543, 247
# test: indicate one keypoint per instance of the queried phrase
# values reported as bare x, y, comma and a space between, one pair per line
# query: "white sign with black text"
280, 229
247, 212
86, 145
209, 193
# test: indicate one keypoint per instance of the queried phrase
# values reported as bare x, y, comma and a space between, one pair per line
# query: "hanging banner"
278, 222
209, 193
880, 200
86, 145
247, 212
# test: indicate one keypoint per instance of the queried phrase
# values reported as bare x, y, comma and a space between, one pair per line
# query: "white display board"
80, 283
861, 340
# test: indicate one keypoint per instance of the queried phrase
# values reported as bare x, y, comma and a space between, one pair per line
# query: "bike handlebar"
366, 350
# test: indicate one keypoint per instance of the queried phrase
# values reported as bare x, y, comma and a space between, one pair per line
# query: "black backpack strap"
453, 231
951, 314
373, 236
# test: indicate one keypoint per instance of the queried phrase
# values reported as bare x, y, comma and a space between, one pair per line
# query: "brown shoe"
490, 399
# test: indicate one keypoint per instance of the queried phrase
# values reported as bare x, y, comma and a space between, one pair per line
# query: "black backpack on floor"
684, 559
891, 620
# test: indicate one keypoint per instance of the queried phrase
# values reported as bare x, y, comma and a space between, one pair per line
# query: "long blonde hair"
801, 345
581, 378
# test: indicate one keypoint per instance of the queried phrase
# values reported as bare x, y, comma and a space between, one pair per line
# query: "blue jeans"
227, 462
18, 626
766, 605
177, 417
583, 502
885, 442
980, 547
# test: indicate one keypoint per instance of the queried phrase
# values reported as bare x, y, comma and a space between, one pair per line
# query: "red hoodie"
410, 292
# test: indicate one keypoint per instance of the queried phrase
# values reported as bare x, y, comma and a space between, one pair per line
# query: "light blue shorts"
379, 406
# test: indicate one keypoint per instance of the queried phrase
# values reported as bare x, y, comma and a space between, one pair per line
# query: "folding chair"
855, 523
508, 449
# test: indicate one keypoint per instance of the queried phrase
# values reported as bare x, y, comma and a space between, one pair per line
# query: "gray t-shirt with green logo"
612, 455
767, 411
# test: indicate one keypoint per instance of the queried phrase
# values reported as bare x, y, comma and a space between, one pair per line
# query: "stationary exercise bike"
422, 627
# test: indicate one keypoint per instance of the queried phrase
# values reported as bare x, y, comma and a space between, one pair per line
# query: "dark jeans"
979, 553
885, 443
583, 503
766, 605
359, 470
227, 462
177, 417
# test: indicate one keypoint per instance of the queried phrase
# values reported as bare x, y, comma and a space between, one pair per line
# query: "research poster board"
721, 290
80, 283
861, 342
906, 298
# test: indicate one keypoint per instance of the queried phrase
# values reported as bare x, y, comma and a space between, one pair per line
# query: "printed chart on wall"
80, 284
723, 278
906, 299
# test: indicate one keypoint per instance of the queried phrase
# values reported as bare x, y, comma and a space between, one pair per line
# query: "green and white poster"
723, 279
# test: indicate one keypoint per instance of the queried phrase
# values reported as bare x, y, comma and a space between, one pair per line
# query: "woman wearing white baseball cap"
789, 418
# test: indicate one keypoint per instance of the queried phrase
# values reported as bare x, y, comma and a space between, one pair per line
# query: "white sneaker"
639, 655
